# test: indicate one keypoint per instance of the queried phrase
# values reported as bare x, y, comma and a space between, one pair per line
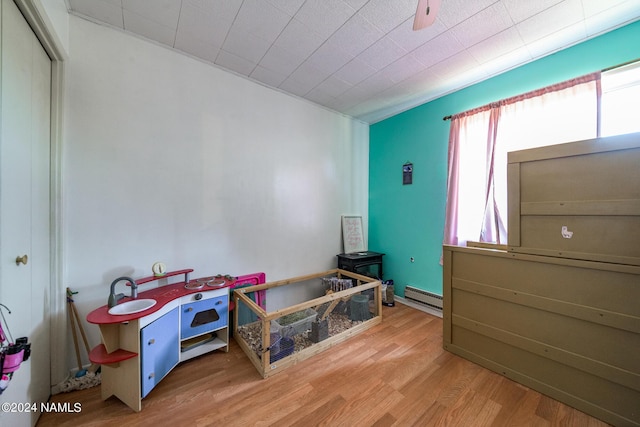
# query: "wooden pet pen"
342, 304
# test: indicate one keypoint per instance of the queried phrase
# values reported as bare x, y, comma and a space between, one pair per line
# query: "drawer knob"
189, 309
152, 341
152, 374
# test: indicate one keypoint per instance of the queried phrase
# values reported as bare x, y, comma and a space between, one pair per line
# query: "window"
621, 100
480, 139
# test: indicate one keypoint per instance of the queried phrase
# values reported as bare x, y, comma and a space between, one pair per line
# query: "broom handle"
84, 336
75, 336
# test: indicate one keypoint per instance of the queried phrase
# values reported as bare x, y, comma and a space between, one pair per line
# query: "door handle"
22, 259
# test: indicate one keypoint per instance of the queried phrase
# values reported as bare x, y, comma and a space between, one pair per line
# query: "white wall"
167, 158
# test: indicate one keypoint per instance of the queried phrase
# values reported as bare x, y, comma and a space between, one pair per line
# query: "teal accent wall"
408, 220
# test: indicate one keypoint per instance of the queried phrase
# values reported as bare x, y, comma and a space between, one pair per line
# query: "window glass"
621, 100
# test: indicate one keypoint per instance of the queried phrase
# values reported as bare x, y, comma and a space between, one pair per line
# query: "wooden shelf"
100, 356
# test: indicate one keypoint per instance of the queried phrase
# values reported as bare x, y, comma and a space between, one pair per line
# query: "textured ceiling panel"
362, 57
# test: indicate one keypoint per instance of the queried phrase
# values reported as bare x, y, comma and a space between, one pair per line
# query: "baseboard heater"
423, 297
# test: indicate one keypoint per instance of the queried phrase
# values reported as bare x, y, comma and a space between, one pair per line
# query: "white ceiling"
361, 57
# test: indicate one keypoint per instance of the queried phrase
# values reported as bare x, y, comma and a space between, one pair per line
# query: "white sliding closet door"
25, 207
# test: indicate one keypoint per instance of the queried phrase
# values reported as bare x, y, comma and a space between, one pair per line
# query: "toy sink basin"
131, 307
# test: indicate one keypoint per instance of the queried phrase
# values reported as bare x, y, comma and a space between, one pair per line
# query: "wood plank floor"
395, 374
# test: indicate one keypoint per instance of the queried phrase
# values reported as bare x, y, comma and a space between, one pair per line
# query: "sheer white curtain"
468, 170
480, 139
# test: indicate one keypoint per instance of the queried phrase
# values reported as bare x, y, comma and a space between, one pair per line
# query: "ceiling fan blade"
425, 13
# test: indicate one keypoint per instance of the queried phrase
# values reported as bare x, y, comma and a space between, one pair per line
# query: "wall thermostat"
407, 173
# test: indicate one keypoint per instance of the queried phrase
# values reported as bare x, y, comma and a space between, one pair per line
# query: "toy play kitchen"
144, 336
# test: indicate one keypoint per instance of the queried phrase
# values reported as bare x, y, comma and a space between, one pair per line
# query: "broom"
81, 372
81, 380
72, 308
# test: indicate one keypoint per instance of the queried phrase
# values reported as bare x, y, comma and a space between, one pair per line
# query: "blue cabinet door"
204, 316
159, 348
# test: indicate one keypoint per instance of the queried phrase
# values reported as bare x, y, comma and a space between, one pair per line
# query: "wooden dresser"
559, 310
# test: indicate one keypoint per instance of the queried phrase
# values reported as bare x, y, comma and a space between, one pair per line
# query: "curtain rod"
620, 65
445, 118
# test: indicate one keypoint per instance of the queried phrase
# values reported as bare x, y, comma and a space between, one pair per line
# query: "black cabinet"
365, 263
